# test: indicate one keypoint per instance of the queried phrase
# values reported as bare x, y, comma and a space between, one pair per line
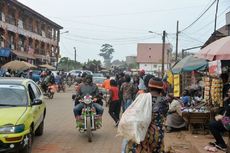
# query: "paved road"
61, 136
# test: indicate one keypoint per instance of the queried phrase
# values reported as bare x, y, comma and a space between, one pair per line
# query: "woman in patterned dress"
154, 139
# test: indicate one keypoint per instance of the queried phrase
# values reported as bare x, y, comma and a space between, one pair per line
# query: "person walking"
154, 139
128, 92
106, 85
114, 105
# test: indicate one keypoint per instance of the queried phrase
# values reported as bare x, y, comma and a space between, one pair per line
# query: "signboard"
176, 85
214, 68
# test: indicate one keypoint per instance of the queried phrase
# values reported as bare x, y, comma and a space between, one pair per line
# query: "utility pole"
217, 3
75, 54
163, 53
177, 33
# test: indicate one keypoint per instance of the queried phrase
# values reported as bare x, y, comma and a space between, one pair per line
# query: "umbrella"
47, 66
218, 50
18, 65
190, 63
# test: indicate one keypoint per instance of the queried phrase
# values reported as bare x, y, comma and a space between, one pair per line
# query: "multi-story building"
27, 35
149, 57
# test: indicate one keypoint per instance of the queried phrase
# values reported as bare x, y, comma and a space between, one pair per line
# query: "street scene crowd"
157, 100
142, 106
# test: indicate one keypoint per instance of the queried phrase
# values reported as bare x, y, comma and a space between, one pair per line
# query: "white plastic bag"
135, 120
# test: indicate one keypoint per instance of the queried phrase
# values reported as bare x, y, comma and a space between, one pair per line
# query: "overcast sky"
124, 23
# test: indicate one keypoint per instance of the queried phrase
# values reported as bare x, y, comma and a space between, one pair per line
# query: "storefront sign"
176, 85
214, 68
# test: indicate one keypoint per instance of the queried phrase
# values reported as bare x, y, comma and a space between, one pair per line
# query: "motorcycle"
88, 121
50, 91
69, 82
60, 87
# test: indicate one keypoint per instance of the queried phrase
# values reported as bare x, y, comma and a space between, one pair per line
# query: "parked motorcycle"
88, 121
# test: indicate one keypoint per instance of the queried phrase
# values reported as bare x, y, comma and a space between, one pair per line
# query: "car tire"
40, 129
28, 147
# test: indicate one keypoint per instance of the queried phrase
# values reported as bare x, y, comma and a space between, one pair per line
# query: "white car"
78, 73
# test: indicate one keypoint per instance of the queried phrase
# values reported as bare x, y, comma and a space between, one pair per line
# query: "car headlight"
7, 129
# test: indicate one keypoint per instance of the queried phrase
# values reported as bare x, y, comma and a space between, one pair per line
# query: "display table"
196, 121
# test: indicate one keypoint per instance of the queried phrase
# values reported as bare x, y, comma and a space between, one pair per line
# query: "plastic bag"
136, 119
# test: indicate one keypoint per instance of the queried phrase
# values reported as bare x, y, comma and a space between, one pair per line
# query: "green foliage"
106, 51
94, 65
68, 64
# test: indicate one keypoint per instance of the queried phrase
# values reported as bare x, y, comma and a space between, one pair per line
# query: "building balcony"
26, 33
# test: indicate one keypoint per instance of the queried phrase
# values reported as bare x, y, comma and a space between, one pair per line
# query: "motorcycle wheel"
88, 129
51, 95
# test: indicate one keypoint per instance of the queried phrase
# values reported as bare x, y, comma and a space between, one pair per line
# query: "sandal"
211, 149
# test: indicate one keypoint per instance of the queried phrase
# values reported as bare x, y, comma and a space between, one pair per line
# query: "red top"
114, 91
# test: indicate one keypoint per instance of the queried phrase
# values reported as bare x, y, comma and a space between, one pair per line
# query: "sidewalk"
184, 142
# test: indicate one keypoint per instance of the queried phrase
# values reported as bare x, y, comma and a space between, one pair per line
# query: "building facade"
149, 57
27, 35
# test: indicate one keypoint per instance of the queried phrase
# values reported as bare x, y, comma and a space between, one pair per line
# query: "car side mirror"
73, 96
37, 102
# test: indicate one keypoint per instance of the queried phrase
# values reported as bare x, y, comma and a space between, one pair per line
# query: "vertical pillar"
16, 15
16, 40
5, 9
33, 45
26, 44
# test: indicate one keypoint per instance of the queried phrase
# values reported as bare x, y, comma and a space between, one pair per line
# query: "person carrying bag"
146, 134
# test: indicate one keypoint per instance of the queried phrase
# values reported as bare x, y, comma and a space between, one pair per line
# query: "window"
36, 90
16, 95
31, 93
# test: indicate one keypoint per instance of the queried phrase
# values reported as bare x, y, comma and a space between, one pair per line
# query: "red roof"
152, 53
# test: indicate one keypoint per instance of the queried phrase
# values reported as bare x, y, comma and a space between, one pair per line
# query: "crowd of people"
122, 90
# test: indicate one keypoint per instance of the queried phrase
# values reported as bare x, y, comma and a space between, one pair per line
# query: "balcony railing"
11, 20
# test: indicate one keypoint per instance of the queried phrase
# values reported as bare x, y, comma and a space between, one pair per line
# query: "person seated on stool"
216, 126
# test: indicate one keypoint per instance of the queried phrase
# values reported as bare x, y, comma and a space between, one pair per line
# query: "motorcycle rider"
49, 79
87, 87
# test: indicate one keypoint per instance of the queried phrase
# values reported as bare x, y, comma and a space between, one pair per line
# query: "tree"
106, 52
68, 64
94, 65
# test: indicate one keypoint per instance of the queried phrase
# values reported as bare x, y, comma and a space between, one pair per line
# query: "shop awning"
23, 55
5, 52
189, 64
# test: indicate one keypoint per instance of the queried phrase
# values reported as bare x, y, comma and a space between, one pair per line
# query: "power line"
191, 37
136, 13
205, 26
199, 16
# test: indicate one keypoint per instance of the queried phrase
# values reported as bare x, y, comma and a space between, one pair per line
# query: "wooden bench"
196, 121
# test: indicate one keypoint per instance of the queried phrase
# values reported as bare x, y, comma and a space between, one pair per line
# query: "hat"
142, 71
155, 83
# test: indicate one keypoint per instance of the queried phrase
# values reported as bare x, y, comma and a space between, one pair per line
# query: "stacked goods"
216, 92
207, 89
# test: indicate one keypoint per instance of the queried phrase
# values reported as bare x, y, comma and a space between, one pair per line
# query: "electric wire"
199, 16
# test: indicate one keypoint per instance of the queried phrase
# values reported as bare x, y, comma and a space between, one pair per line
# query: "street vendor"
174, 120
217, 126
186, 98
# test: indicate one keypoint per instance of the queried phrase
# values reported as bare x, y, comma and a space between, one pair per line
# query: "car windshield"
98, 80
12, 95
98, 75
